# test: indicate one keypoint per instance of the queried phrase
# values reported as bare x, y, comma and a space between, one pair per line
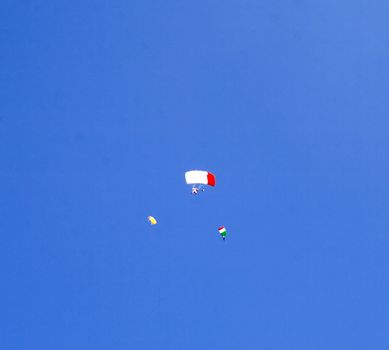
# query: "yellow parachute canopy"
152, 220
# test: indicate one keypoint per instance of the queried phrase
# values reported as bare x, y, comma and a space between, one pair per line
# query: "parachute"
152, 220
223, 232
198, 179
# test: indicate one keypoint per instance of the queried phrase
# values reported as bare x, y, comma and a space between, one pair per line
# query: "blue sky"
105, 105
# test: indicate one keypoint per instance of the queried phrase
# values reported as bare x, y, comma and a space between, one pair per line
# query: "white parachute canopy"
200, 177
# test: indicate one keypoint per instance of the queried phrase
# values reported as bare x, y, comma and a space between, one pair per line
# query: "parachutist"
198, 179
223, 232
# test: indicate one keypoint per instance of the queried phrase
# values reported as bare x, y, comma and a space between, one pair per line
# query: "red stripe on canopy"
211, 179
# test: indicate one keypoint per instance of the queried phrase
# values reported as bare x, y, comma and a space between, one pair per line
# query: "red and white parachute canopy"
200, 177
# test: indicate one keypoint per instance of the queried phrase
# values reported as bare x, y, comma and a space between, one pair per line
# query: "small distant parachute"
223, 232
199, 178
152, 220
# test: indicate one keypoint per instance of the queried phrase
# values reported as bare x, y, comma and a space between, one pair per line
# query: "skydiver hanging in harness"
196, 189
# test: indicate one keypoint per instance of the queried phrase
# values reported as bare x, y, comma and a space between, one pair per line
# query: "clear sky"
105, 105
